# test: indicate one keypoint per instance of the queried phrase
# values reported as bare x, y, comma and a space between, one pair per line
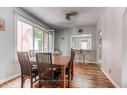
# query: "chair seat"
56, 74
34, 71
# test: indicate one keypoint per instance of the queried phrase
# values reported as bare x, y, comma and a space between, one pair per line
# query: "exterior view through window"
24, 36
38, 39
46, 40
31, 38
82, 42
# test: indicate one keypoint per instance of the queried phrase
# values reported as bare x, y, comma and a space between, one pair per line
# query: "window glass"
31, 38
46, 42
24, 36
82, 42
38, 39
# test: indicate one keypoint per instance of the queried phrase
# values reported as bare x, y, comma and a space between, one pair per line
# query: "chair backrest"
32, 53
24, 61
44, 63
72, 53
72, 58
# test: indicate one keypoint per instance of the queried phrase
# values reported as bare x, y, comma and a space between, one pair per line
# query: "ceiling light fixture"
70, 15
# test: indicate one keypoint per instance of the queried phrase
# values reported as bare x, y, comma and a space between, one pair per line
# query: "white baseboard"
9, 78
87, 62
91, 62
113, 82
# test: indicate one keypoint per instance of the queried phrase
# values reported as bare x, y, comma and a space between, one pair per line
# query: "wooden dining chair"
27, 70
46, 72
69, 68
32, 53
72, 63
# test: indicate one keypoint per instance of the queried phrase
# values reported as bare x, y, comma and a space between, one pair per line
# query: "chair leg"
72, 73
68, 80
39, 84
71, 76
31, 83
22, 81
68, 83
53, 85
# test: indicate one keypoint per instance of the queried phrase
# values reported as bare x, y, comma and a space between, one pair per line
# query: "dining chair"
69, 68
47, 74
72, 63
27, 70
32, 53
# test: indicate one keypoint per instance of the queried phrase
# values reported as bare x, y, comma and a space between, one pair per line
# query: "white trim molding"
78, 61
110, 79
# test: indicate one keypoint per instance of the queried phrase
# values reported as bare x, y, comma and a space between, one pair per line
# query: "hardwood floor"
85, 76
89, 76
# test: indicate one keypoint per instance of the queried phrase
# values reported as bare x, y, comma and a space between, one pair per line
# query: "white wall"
7, 66
111, 26
124, 50
65, 45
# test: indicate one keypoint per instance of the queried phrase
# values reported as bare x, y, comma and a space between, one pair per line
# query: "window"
24, 36
31, 38
85, 44
38, 39
81, 42
46, 40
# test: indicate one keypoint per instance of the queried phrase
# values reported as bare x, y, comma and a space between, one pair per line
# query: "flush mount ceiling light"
70, 16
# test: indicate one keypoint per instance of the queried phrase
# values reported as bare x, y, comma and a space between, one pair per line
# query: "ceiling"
55, 16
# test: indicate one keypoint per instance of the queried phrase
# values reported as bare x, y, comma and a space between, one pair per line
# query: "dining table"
59, 62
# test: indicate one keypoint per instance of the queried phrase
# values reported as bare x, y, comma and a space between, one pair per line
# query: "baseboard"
8, 78
110, 79
91, 62
87, 62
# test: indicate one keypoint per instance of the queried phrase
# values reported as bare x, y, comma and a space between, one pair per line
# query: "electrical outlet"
109, 70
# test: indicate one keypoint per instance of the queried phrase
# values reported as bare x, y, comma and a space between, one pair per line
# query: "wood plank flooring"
85, 76
89, 76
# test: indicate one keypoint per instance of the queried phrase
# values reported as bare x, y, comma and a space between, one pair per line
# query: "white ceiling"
55, 16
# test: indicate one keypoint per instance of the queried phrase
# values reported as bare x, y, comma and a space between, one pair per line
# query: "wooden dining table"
60, 62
